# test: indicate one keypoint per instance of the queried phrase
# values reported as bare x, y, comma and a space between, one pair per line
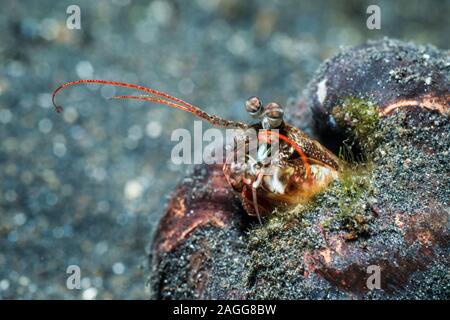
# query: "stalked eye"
273, 115
254, 107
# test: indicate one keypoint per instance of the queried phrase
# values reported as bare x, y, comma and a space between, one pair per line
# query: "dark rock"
390, 212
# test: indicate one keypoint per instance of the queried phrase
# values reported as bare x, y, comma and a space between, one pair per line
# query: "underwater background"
87, 187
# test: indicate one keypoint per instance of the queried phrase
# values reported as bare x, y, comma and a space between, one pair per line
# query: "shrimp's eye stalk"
254, 107
273, 116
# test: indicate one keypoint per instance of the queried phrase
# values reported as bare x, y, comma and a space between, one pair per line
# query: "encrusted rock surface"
389, 209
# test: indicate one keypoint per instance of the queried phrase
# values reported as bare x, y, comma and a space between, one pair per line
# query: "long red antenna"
154, 99
164, 98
